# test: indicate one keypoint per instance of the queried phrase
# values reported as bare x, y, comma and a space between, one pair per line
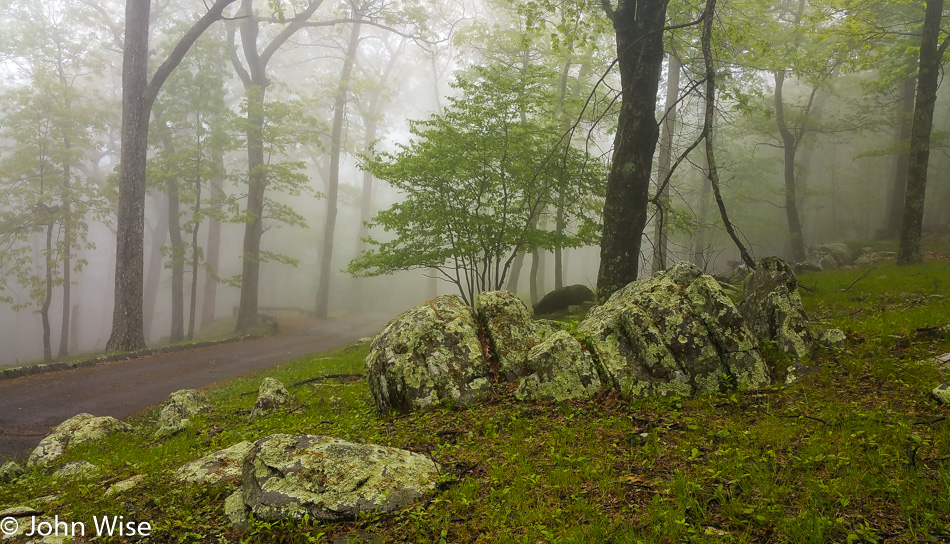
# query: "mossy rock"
561, 370
773, 310
510, 331
179, 409
563, 298
75, 430
221, 466
271, 394
428, 355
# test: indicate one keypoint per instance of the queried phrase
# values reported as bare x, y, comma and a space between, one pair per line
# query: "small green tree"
475, 178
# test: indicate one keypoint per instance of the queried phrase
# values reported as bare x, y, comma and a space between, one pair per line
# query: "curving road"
30, 406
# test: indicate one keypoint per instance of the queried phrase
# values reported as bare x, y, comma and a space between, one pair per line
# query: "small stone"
124, 485
832, 338
236, 511
76, 468
943, 359
797, 372
272, 394
178, 411
221, 466
10, 471
941, 393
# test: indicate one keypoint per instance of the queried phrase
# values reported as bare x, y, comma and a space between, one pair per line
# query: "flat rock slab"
289, 477
221, 466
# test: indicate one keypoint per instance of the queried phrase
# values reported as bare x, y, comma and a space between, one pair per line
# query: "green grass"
856, 453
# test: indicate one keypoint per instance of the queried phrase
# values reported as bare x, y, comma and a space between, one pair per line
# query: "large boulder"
510, 330
272, 394
562, 369
428, 355
772, 308
289, 477
674, 334
831, 255
563, 298
75, 430
221, 466
181, 407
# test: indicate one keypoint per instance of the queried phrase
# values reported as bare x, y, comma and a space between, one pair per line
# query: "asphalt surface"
30, 406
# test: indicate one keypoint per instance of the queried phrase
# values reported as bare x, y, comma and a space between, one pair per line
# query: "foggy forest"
285, 153
533, 271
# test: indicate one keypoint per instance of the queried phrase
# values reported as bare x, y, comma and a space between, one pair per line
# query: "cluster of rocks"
674, 334
834, 255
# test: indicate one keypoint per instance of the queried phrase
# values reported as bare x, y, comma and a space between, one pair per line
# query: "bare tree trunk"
534, 283
928, 80
789, 147
336, 145
195, 262
515, 276
660, 236
67, 261
212, 249
155, 262
905, 118
638, 25
177, 254
44, 310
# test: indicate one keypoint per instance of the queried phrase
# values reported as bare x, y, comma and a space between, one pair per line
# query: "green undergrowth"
856, 453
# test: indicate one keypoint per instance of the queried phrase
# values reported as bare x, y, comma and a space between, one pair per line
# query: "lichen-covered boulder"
124, 485
674, 334
510, 330
831, 338
236, 510
428, 355
563, 298
772, 308
10, 471
272, 394
941, 394
221, 466
75, 430
289, 477
561, 369
831, 255
179, 409
76, 469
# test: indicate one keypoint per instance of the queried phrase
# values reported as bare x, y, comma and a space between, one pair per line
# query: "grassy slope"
857, 453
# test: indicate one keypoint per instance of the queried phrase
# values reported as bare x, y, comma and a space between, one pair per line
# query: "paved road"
31, 405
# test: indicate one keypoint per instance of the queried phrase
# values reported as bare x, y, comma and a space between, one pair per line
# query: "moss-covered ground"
856, 453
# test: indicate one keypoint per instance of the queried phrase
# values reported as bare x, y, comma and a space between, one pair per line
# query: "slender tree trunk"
212, 250
515, 275
67, 255
535, 285
928, 80
195, 262
336, 150
366, 200
702, 212
905, 119
790, 147
44, 310
155, 263
177, 254
660, 236
638, 25
254, 226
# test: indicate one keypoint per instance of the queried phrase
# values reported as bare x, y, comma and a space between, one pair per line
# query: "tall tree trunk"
195, 261
177, 254
212, 247
127, 323
515, 275
790, 147
254, 225
638, 25
336, 150
905, 119
155, 263
67, 254
44, 310
699, 238
366, 201
533, 279
660, 237
928, 79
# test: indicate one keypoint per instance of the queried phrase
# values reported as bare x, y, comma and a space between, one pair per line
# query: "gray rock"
795, 373
289, 477
563, 299
831, 338
221, 466
236, 511
179, 409
124, 485
772, 308
76, 469
831, 255
875, 257
20, 512
75, 430
562, 369
10, 471
272, 394
674, 334
510, 330
941, 393
426, 356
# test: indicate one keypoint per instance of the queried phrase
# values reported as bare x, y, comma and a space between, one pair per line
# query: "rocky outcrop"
674, 334
561, 369
773, 309
75, 430
563, 298
10, 471
179, 409
428, 355
331, 480
221, 466
510, 331
272, 394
